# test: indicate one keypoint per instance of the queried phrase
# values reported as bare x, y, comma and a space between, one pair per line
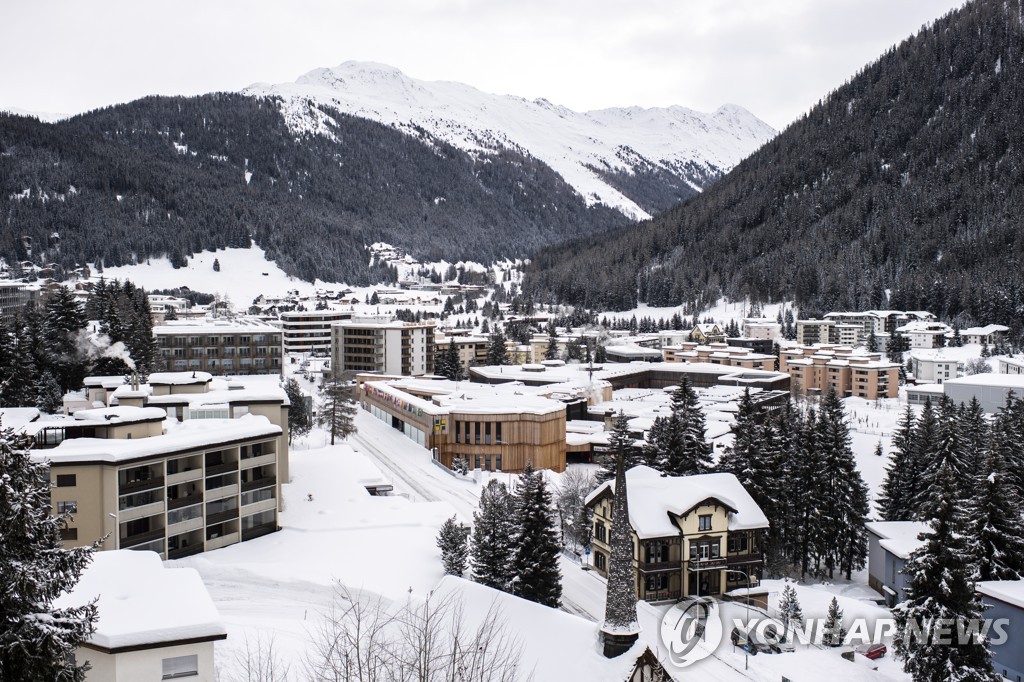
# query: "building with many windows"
401, 348
719, 354
692, 535
13, 297
309, 331
814, 370
242, 346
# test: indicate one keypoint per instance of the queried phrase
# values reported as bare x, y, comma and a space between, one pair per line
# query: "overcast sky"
774, 57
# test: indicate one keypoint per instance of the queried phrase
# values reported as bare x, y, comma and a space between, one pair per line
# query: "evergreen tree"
300, 421
337, 408
49, 397
37, 641
453, 543
745, 438
620, 444
948, 450
493, 537
833, 633
872, 344
808, 504
497, 354
452, 364
997, 524
694, 455
790, 612
551, 352
600, 355
940, 596
924, 446
536, 575
216, 265
895, 347
899, 489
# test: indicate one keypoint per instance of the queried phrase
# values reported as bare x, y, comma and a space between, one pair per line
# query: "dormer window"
705, 522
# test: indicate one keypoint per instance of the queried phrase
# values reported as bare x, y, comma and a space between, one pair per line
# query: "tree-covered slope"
178, 175
910, 177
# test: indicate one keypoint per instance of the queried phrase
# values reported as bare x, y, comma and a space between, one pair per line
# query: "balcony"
221, 517
257, 531
221, 492
140, 486
257, 483
185, 526
183, 552
142, 511
257, 507
659, 566
716, 564
260, 460
222, 541
188, 500
223, 468
185, 476
130, 541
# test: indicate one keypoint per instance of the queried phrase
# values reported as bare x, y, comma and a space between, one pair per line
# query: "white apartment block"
400, 348
934, 366
309, 331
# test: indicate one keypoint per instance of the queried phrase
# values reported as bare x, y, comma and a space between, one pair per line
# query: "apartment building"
402, 348
694, 535
935, 365
989, 334
926, 334
309, 331
472, 350
242, 346
809, 332
13, 297
718, 354
174, 489
815, 369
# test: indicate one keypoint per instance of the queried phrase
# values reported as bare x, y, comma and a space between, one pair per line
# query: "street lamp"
746, 649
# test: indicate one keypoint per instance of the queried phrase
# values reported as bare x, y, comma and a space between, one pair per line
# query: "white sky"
774, 57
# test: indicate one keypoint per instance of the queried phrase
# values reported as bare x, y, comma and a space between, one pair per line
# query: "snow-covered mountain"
596, 152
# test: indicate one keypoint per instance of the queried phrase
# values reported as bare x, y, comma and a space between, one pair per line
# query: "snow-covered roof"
215, 326
179, 378
143, 603
120, 414
1009, 591
555, 645
652, 497
985, 331
190, 434
898, 537
1012, 381
17, 417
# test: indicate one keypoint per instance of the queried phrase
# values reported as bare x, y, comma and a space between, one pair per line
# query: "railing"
221, 468
130, 541
661, 595
658, 566
139, 486
708, 564
257, 531
256, 483
221, 517
188, 500
183, 552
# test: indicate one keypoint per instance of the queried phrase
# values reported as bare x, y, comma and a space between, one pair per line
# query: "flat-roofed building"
242, 346
309, 331
719, 354
403, 348
13, 297
816, 369
809, 332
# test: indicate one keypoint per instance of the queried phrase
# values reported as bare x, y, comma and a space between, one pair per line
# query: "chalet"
707, 333
692, 535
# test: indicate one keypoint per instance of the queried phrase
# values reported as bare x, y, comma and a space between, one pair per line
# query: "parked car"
749, 643
872, 651
778, 643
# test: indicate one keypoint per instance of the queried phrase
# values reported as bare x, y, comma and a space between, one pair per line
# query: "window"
67, 534
657, 551
738, 544
705, 522
600, 532
657, 582
487, 433
599, 561
67, 480
497, 432
180, 666
67, 507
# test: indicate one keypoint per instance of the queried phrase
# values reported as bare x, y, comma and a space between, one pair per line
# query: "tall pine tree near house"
536, 575
1006, 435
790, 612
337, 407
808, 501
497, 354
925, 445
745, 438
899, 489
453, 370
975, 429
49, 397
949, 449
300, 421
620, 444
996, 522
37, 641
453, 543
551, 352
940, 595
694, 457
493, 537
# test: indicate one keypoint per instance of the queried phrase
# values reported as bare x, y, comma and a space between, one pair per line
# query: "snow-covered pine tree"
925, 444
497, 354
551, 352
493, 536
620, 443
37, 641
833, 632
899, 489
694, 455
940, 596
300, 421
536, 575
807, 502
949, 449
453, 371
790, 612
975, 430
337, 409
745, 438
1006, 435
453, 543
49, 397
996, 521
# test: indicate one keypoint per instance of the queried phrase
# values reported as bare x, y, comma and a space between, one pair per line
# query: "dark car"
872, 651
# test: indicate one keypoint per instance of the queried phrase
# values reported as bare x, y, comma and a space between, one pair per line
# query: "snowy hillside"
695, 146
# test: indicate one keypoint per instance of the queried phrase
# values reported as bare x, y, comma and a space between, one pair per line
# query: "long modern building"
309, 331
493, 428
816, 369
242, 346
401, 348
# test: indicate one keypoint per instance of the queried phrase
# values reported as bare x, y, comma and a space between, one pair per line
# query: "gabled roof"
654, 499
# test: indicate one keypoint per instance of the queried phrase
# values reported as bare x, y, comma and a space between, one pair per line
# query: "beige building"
815, 369
244, 346
403, 348
707, 333
692, 535
472, 350
809, 332
718, 354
